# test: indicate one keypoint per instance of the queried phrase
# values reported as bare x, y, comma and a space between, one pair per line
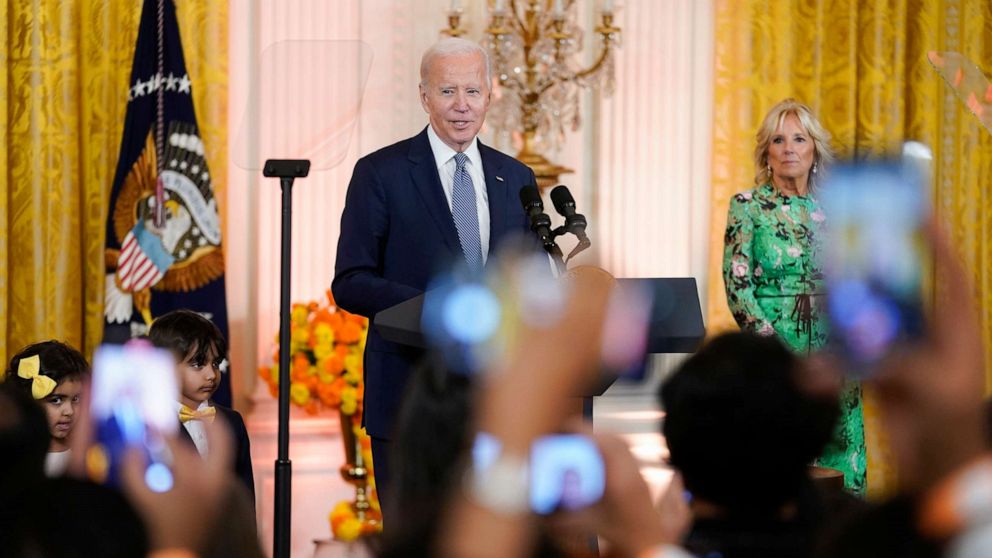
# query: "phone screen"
566, 471
132, 406
874, 257
470, 320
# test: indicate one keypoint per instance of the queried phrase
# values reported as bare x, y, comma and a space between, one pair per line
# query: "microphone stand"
286, 170
557, 256
582, 245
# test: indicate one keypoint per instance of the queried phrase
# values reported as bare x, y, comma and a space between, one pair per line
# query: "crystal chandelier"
533, 45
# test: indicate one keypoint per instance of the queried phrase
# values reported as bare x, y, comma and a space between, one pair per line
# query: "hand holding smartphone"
875, 257
132, 405
566, 471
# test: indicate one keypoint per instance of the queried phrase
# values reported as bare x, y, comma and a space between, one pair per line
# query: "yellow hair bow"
30, 369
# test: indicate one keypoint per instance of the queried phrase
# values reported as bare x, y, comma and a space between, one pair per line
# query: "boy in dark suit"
201, 356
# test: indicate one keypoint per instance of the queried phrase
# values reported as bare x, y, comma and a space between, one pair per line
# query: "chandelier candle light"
532, 44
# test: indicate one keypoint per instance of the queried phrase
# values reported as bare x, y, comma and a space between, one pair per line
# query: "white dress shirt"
444, 158
196, 429
56, 462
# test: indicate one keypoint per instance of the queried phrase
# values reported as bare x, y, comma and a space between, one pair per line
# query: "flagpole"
286, 170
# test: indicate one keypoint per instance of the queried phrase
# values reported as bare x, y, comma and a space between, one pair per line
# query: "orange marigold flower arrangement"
327, 344
326, 350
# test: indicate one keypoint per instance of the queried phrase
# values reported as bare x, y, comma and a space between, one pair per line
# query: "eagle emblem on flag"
182, 254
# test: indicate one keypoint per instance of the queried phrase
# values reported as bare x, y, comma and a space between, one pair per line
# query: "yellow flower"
324, 334
299, 314
341, 510
348, 407
300, 337
348, 530
353, 362
322, 351
324, 376
353, 377
349, 400
274, 373
299, 393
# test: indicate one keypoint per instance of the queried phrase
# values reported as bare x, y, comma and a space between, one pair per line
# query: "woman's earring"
814, 168
769, 170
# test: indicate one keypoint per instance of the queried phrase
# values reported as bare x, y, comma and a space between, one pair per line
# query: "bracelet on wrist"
497, 480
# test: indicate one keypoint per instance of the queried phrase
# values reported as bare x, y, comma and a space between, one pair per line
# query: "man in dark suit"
419, 203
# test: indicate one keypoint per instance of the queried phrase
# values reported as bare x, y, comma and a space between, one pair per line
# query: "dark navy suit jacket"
396, 232
242, 447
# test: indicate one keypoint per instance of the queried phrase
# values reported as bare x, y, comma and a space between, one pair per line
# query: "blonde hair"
823, 155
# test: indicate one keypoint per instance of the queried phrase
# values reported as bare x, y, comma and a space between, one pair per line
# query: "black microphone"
540, 223
575, 223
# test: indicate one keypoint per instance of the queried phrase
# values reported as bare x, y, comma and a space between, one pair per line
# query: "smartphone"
875, 256
132, 405
470, 319
566, 471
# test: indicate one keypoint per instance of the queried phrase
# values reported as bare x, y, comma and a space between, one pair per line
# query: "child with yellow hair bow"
53, 373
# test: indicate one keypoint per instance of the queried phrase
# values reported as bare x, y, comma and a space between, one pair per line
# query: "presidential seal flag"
163, 248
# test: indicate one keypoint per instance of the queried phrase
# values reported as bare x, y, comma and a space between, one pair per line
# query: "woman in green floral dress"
771, 260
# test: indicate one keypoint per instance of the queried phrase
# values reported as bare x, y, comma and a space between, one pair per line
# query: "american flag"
143, 260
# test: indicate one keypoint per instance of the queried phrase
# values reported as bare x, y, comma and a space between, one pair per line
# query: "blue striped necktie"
466, 213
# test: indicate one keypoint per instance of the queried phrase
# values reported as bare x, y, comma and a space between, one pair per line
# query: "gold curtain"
65, 67
862, 67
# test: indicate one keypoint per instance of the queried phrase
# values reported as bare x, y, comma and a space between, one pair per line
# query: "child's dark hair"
184, 332
58, 361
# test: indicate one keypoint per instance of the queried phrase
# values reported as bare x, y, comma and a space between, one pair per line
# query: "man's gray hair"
453, 45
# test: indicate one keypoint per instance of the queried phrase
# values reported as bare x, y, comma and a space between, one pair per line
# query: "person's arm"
359, 286
547, 360
625, 516
179, 520
739, 268
525, 396
932, 393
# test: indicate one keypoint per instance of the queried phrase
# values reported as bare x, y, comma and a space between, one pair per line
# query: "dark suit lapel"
428, 183
184, 434
496, 190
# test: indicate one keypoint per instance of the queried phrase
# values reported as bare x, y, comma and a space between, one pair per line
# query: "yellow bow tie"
30, 369
186, 414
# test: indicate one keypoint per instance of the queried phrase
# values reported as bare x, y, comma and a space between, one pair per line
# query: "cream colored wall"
641, 157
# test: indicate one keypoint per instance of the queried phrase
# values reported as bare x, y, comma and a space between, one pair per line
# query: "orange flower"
349, 332
362, 321
263, 372
298, 375
274, 390
300, 362
342, 350
311, 407
334, 364
330, 297
323, 316
312, 382
340, 512
329, 394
